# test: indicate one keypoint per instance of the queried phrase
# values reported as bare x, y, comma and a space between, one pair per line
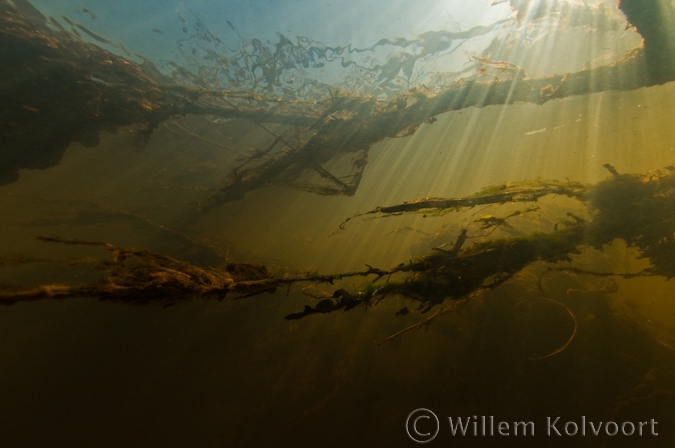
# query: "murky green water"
546, 343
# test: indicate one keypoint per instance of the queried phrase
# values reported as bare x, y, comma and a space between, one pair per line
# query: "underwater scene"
307, 223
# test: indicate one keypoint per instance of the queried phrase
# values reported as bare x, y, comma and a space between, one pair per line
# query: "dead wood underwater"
639, 209
56, 89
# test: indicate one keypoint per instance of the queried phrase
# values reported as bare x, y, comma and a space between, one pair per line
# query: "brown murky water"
78, 372
235, 373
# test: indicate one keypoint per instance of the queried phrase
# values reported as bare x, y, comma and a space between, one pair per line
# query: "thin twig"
192, 134
428, 320
569, 340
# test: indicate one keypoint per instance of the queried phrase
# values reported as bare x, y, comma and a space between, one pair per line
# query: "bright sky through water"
299, 49
333, 22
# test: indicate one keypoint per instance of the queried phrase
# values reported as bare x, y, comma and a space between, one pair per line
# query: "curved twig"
569, 340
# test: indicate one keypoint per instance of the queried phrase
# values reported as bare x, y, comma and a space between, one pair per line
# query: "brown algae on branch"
142, 277
96, 90
638, 209
497, 194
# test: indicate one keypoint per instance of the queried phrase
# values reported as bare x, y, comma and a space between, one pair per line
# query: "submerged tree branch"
499, 194
57, 89
635, 208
